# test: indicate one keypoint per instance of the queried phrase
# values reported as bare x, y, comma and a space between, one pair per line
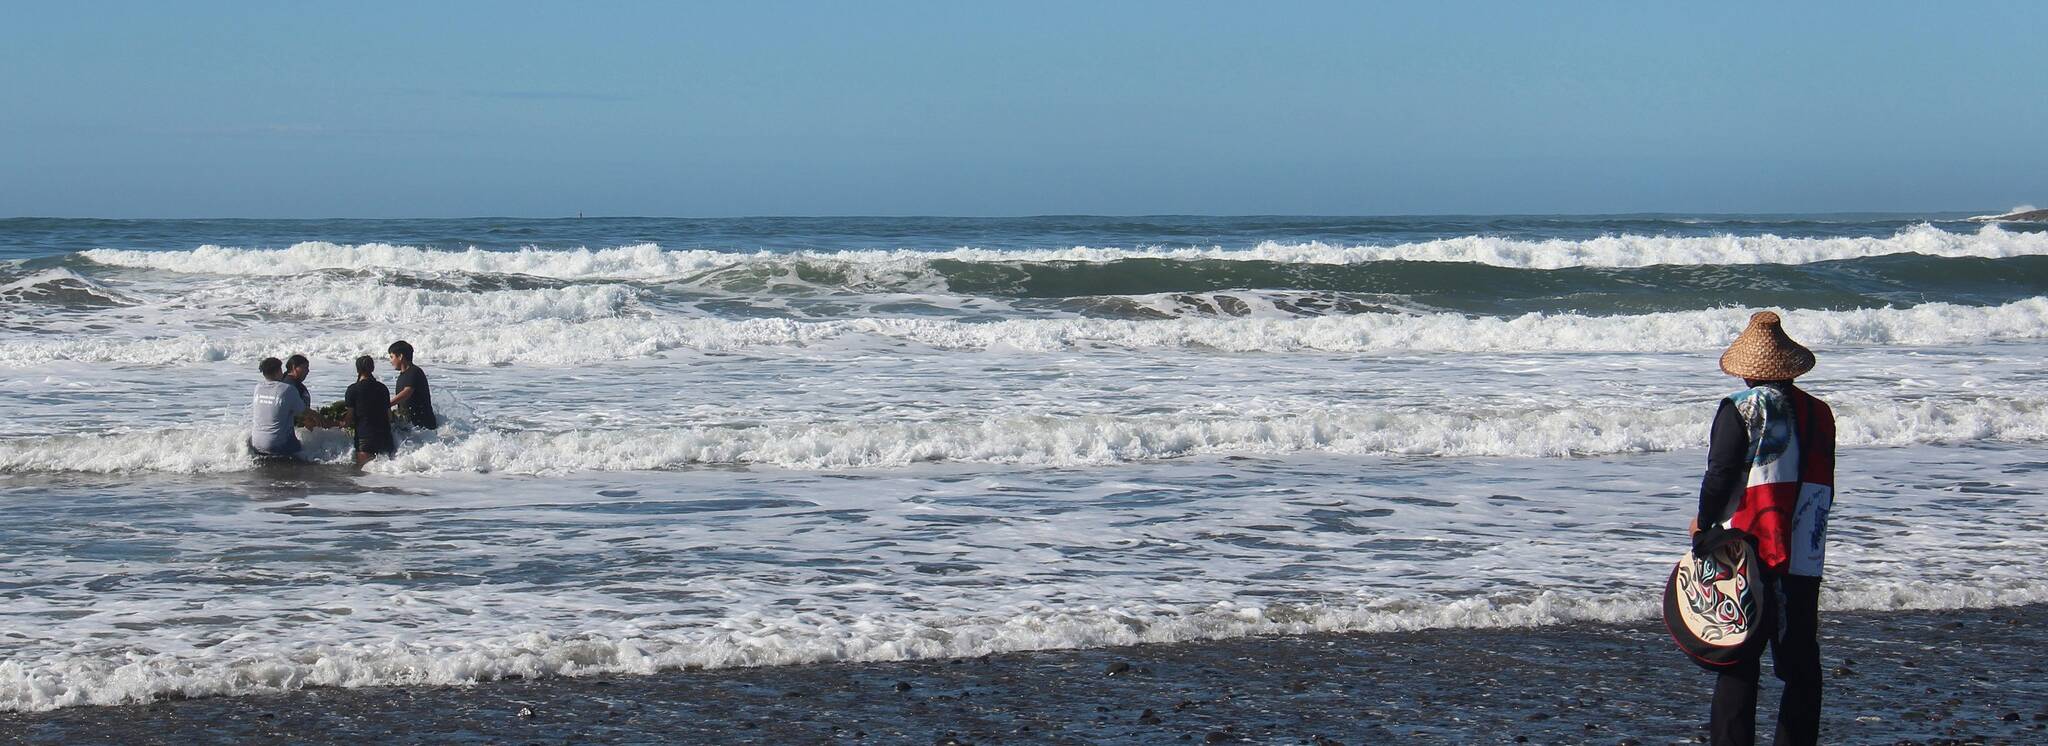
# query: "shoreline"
1953, 676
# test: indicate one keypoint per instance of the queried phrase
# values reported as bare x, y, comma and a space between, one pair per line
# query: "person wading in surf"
296, 368
369, 403
1771, 475
273, 411
414, 403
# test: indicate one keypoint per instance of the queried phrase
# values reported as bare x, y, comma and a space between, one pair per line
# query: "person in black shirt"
414, 402
369, 405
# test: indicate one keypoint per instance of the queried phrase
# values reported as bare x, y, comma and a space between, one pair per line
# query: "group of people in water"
282, 404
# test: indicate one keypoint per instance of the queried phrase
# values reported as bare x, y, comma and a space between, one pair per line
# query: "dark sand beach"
1951, 677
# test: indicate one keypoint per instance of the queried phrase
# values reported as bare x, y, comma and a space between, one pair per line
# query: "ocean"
677, 444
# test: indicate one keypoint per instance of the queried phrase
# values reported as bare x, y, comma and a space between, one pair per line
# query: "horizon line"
1033, 216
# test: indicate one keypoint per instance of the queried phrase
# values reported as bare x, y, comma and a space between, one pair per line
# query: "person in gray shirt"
274, 412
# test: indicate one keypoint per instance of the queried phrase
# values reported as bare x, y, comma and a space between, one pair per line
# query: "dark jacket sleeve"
1727, 466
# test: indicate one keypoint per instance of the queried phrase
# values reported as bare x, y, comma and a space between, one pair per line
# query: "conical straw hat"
1764, 353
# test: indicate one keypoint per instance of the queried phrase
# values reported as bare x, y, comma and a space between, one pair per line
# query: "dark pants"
290, 450
375, 446
1794, 636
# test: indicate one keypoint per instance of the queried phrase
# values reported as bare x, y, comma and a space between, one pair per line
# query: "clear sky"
968, 108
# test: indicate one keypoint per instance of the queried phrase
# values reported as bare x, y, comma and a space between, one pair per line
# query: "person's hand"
1694, 526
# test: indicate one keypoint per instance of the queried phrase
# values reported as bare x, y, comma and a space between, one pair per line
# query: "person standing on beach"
1771, 475
369, 405
414, 402
273, 412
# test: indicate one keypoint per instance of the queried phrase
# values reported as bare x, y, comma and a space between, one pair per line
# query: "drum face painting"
1711, 604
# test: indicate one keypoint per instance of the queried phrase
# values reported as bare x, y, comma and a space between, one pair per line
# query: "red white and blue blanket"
1791, 483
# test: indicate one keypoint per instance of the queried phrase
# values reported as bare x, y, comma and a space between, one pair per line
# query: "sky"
369, 109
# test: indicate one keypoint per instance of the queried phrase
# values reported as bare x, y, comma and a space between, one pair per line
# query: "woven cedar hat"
1764, 353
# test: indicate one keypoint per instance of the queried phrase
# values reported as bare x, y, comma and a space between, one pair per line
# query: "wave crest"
1040, 440
553, 341
650, 261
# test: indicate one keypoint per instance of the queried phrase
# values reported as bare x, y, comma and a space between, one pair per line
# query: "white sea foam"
397, 580
650, 261
1069, 441
492, 334
755, 640
326, 299
222, 448
2016, 211
1084, 441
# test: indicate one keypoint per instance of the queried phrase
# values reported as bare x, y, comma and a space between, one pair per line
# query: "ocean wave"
2018, 212
553, 341
330, 299
1040, 440
650, 261
61, 288
237, 666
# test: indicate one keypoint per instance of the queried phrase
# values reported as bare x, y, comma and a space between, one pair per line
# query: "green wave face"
1151, 288
1142, 288
1318, 289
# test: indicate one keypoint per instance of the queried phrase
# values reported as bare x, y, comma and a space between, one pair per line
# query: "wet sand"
1974, 676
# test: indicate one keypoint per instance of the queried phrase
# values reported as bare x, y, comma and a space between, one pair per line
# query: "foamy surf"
1045, 440
494, 336
245, 667
650, 261
340, 302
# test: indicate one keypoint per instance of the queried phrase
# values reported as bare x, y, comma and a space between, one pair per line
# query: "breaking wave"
506, 338
60, 289
650, 261
1039, 440
324, 299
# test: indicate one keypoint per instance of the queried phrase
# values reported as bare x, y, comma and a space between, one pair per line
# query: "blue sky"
881, 108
